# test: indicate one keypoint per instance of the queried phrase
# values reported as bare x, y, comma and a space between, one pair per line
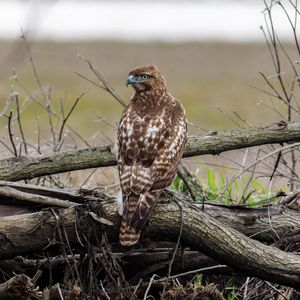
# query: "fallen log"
21, 168
33, 232
264, 224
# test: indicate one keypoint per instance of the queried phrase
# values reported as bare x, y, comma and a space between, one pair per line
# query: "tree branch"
20, 168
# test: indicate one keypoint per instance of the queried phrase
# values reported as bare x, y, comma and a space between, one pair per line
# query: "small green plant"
229, 290
178, 185
247, 190
199, 280
231, 296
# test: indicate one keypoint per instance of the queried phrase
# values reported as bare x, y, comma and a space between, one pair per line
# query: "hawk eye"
144, 76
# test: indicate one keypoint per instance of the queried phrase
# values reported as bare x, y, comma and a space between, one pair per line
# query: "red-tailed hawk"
151, 137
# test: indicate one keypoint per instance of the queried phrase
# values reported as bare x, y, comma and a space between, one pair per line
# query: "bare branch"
106, 85
31, 167
35, 73
11, 134
16, 96
68, 115
233, 179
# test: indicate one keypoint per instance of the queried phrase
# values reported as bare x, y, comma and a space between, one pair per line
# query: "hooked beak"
131, 80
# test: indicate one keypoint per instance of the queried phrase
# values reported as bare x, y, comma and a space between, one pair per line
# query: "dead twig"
197, 271
290, 147
11, 134
65, 119
180, 173
175, 249
16, 96
149, 286
105, 84
34, 69
6, 191
276, 290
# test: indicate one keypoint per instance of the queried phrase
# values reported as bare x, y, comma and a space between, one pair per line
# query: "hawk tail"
129, 234
137, 210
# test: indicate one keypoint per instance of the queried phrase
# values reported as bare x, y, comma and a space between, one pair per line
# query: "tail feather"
129, 235
137, 210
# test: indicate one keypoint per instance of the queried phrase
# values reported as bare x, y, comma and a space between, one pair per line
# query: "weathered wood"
9, 192
264, 224
32, 232
18, 287
15, 169
63, 194
221, 141
225, 244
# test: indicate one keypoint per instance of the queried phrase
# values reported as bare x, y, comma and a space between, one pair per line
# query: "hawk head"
145, 78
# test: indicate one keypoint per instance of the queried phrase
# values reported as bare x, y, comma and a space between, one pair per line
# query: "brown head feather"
154, 81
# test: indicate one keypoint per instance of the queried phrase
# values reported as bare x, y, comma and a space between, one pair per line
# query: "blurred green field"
202, 75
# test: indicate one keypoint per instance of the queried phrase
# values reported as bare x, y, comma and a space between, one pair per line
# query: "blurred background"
211, 53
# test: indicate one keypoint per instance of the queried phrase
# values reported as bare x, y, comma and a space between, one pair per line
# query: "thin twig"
35, 73
49, 113
246, 288
88, 178
294, 26
249, 181
31, 96
198, 271
149, 286
228, 116
7, 147
107, 86
38, 136
242, 119
276, 164
104, 291
16, 96
180, 173
276, 290
69, 114
36, 276
10, 132
255, 163
90, 81
175, 249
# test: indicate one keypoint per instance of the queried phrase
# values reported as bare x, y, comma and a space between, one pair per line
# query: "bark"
264, 224
18, 287
33, 232
15, 169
